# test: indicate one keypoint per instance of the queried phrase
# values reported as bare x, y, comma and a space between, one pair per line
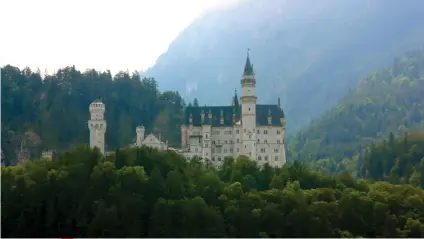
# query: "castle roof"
262, 113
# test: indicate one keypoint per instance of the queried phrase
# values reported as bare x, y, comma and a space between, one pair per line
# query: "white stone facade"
257, 131
150, 140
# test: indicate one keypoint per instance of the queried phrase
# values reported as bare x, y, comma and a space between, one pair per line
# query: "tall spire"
248, 67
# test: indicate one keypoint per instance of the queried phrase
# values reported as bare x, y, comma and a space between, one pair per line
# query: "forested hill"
52, 113
398, 160
142, 192
309, 53
388, 100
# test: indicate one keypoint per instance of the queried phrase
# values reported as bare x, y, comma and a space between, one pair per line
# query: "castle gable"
151, 139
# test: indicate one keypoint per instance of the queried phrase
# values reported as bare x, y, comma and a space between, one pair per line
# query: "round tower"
97, 125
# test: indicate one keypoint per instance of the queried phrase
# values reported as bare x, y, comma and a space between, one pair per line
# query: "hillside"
52, 112
398, 160
309, 53
141, 192
388, 100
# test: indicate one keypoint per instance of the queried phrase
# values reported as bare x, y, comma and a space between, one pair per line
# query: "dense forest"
389, 100
141, 192
51, 112
398, 160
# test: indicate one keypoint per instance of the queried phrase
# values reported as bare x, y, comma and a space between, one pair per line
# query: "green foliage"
142, 192
56, 107
398, 161
390, 100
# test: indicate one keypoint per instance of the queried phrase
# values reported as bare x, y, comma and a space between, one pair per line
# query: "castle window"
213, 159
258, 131
262, 150
278, 132
219, 158
238, 150
265, 131
225, 150
206, 136
231, 150
206, 145
237, 131
226, 142
266, 141
278, 142
276, 150
249, 109
276, 158
245, 146
245, 130
231, 141
219, 141
250, 154
213, 142
213, 150
259, 157
207, 154
258, 141
238, 140
195, 150
266, 157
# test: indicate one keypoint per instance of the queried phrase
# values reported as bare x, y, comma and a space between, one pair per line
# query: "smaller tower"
97, 125
140, 135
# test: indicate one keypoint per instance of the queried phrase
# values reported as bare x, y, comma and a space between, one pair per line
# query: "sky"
101, 34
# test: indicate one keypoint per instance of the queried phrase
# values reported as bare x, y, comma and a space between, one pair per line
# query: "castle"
250, 129
97, 126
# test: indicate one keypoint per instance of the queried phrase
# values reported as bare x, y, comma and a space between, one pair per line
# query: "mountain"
388, 100
309, 53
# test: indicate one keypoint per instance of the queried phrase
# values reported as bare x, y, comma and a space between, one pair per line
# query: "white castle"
97, 127
250, 129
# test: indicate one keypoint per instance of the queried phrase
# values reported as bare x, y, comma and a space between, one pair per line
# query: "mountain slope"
309, 53
389, 100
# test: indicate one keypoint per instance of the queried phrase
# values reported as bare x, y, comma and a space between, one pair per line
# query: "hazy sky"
101, 34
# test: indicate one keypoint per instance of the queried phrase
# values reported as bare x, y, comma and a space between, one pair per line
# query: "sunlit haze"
114, 35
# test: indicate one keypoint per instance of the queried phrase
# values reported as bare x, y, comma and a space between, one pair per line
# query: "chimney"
221, 121
202, 116
269, 117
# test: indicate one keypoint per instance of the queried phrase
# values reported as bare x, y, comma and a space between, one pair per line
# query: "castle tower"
248, 110
97, 125
140, 131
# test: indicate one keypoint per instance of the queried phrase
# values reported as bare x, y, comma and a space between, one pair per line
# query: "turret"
248, 109
97, 125
140, 131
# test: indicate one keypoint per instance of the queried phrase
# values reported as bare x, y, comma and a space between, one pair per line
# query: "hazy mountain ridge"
299, 49
388, 100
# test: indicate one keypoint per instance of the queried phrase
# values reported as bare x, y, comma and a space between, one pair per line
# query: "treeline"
398, 160
55, 109
141, 192
389, 100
